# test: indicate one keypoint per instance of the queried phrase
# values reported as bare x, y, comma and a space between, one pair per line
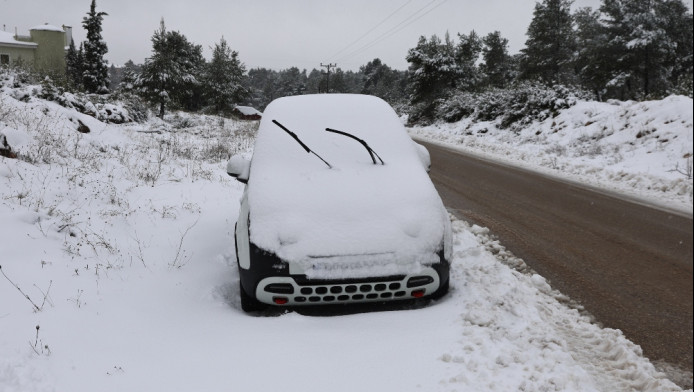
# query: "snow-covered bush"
22, 85
518, 105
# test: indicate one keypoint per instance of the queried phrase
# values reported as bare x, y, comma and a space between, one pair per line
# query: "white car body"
336, 214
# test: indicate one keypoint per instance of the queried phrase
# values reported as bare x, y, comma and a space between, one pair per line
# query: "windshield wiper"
292, 134
363, 143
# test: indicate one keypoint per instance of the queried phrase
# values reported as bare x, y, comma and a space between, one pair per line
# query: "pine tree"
433, 72
263, 83
224, 80
130, 74
551, 44
593, 58
496, 66
382, 81
292, 81
73, 66
95, 71
466, 55
677, 23
171, 76
644, 38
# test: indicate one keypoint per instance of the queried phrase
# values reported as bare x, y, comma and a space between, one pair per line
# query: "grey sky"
279, 34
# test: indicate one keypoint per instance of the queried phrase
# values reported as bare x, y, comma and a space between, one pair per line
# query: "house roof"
7, 39
47, 27
248, 111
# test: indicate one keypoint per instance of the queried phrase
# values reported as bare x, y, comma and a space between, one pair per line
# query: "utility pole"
328, 66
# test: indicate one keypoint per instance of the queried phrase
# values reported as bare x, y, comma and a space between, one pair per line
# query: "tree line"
626, 49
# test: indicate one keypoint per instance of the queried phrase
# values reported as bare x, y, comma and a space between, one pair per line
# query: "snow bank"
643, 149
125, 245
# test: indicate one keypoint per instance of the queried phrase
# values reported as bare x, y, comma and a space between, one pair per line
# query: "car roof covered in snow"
301, 209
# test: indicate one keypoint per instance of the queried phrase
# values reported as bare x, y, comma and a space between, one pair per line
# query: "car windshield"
368, 148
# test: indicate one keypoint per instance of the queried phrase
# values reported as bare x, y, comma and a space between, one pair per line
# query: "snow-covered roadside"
641, 149
123, 240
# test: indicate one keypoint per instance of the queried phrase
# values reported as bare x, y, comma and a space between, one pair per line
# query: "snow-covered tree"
551, 45
467, 53
224, 78
644, 39
677, 22
496, 64
171, 74
130, 75
380, 80
433, 74
291, 81
73, 66
95, 67
593, 58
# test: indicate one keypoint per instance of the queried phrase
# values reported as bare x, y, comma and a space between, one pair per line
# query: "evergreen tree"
551, 44
593, 59
380, 80
95, 68
291, 81
497, 62
73, 66
432, 74
263, 84
676, 20
224, 82
643, 41
315, 83
171, 75
467, 54
339, 81
130, 74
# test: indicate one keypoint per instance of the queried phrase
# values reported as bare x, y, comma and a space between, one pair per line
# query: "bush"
515, 106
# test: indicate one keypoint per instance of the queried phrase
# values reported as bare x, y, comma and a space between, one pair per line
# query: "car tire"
248, 303
442, 290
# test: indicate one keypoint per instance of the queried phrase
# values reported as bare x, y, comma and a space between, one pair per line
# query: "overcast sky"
279, 34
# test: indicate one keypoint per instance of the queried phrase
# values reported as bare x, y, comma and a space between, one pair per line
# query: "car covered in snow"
338, 207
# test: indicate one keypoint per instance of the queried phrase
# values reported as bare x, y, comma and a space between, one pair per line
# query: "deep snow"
123, 239
640, 149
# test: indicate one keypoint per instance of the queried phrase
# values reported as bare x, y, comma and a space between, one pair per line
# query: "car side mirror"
239, 168
424, 156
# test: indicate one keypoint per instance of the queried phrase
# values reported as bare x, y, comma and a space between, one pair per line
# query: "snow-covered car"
338, 207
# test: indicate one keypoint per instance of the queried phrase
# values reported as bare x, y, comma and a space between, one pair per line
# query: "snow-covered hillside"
119, 274
642, 149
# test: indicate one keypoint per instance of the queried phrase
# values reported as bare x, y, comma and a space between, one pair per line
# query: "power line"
372, 29
397, 28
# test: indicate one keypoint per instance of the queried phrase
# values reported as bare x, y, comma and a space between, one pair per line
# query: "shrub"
514, 106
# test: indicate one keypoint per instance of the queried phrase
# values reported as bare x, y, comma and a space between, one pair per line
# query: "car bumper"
297, 291
269, 281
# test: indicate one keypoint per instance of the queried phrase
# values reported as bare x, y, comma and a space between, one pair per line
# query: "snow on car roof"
304, 211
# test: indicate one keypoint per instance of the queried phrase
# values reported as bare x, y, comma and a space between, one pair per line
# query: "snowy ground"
121, 243
641, 149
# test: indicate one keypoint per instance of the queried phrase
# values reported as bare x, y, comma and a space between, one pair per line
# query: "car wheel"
248, 303
441, 291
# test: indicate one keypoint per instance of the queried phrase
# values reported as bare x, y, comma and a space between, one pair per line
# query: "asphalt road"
628, 264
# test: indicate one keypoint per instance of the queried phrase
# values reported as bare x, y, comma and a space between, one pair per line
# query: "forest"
625, 50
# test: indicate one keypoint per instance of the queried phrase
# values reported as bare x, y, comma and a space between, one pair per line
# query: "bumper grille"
326, 292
